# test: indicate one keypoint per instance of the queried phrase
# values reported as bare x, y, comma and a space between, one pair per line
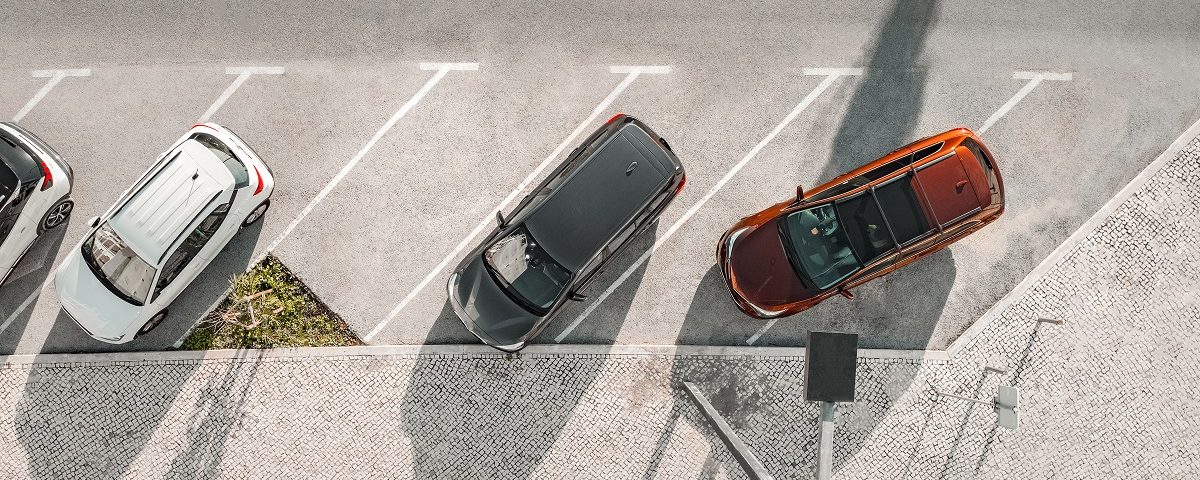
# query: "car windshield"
117, 266
865, 226
526, 271
817, 246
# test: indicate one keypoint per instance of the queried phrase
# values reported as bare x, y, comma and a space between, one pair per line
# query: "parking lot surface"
1110, 392
386, 167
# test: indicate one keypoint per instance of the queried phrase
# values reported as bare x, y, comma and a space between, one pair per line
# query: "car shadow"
207, 289
898, 311
604, 323
29, 276
482, 403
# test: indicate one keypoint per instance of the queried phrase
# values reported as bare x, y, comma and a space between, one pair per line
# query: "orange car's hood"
759, 268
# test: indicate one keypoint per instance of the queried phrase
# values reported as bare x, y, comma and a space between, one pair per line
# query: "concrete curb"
471, 351
976, 329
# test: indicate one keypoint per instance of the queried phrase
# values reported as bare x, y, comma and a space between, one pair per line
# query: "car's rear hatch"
953, 186
601, 196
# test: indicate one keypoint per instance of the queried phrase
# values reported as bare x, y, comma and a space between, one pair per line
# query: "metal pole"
825, 441
968, 399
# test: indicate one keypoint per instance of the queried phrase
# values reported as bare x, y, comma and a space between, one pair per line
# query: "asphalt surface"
736, 72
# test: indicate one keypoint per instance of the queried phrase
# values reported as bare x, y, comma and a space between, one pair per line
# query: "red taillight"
614, 117
682, 182
260, 181
48, 181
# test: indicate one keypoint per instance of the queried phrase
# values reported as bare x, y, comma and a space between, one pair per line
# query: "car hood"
759, 270
89, 302
487, 311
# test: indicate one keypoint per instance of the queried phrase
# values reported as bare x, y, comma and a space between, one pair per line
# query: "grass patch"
270, 308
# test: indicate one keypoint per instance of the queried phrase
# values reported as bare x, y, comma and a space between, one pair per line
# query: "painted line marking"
243, 73
1035, 79
441, 69
973, 332
54, 76
831, 76
632, 73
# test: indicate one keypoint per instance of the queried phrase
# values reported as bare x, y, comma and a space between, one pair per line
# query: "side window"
191, 246
240, 175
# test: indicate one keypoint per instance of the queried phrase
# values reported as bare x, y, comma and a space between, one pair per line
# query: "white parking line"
831, 75
632, 72
55, 77
441, 70
1035, 78
242, 73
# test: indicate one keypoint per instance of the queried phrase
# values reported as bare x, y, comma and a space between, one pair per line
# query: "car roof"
601, 196
162, 209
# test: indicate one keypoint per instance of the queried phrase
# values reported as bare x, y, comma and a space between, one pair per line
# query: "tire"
152, 323
257, 214
57, 215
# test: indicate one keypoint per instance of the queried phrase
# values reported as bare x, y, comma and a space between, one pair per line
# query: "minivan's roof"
166, 205
601, 196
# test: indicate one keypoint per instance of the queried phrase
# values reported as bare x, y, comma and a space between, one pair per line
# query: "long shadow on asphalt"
66, 336
898, 311
504, 419
28, 277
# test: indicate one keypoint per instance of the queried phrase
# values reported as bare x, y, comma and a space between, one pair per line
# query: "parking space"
387, 172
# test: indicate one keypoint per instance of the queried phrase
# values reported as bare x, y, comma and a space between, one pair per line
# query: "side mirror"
92, 222
846, 293
500, 218
577, 297
799, 193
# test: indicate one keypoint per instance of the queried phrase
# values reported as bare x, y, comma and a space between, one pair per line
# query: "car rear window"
241, 177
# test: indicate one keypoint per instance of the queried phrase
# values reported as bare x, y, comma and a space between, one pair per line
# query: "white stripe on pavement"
632, 72
1035, 78
831, 75
441, 70
55, 77
242, 73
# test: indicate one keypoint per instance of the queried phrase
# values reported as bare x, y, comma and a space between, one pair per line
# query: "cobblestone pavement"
1110, 393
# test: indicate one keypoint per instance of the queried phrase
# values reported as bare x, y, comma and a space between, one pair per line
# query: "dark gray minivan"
558, 239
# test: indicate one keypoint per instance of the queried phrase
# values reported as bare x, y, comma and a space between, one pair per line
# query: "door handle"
958, 187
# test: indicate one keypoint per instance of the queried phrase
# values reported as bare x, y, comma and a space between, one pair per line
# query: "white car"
35, 189
139, 255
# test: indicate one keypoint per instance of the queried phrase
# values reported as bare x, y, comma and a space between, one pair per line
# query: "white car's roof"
161, 210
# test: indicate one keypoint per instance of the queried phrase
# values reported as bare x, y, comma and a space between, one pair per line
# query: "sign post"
830, 364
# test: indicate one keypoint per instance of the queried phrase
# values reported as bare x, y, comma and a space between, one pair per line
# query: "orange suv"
861, 225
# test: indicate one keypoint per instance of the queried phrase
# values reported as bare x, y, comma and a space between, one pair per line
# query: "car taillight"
260, 181
48, 181
682, 182
614, 117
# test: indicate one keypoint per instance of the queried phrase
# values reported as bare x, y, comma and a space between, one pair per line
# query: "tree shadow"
92, 422
28, 277
208, 288
219, 409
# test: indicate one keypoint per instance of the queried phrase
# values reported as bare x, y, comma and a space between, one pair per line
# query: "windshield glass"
527, 271
817, 246
117, 266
